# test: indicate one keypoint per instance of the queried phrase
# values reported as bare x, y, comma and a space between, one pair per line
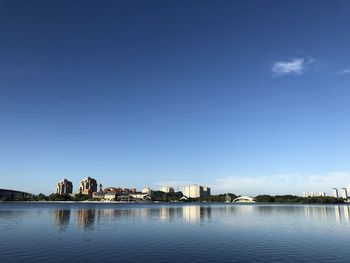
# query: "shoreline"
158, 202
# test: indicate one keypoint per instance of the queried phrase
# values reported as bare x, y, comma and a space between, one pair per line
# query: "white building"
313, 194
141, 196
344, 193
335, 192
196, 191
111, 196
147, 191
167, 189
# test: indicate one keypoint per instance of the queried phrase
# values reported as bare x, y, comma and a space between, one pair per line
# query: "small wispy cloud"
296, 66
344, 71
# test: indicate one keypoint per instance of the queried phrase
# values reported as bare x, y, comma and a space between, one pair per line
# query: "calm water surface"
31, 232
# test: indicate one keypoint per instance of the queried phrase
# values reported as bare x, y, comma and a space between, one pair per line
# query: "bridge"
244, 199
12, 195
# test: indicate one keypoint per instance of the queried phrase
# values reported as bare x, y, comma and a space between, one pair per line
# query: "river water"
76, 232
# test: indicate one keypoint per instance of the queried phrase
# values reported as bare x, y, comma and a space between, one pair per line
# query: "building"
147, 191
128, 191
64, 187
313, 194
335, 192
196, 191
111, 196
88, 186
167, 189
344, 193
140, 196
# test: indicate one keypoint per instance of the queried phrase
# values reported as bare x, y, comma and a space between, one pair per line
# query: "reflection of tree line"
87, 218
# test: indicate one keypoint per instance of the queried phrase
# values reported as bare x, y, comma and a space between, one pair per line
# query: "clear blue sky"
245, 96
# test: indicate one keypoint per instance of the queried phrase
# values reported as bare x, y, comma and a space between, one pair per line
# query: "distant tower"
344, 193
100, 187
335, 192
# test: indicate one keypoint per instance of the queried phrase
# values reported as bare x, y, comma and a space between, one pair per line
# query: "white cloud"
294, 183
295, 66
344, 71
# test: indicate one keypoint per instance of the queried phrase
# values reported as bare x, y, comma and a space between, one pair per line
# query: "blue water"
34, 232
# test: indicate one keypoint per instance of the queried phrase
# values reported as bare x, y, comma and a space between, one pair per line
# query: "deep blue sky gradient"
139, 92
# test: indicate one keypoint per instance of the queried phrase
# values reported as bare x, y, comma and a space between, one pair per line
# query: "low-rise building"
140, 196
147, 190
125, 198
111, 196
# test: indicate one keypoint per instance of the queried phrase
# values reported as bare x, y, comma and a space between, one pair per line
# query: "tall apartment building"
167, 189
88, 186
64, 187
344, 193
335, 192
196, 191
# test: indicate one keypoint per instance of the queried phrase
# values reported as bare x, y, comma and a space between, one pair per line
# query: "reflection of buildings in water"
316, 212
337, 213
121, 213
247, 209
86, 218
324, 213
170, 213
164, 213
61, 218
145, 213
195, 213
346, 213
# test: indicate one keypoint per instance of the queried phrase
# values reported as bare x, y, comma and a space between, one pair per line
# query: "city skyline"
148, 94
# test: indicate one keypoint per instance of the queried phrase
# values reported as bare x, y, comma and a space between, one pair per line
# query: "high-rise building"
196, 191
64, 187
335, 192
167, 189
344, 193
88, 186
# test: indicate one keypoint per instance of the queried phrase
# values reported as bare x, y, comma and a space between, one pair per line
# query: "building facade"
344, 193
335, 192
88, 186
147, 190
167, 189
64, 187
196, 191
